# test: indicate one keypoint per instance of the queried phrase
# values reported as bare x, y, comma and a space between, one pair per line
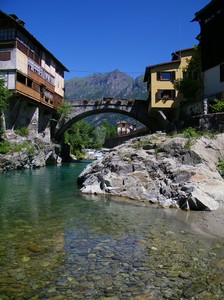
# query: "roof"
20, 24
183, 50
207, 10
148, 68
176, 54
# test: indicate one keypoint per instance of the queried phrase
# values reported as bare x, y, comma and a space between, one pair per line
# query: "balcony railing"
33, 66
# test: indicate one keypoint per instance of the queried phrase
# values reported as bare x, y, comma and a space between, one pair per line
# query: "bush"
191, 132
221, 166
22, 131
7, 147
217, 106
4, 147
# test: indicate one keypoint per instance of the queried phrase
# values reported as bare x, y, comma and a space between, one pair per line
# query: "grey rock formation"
171, 172
32, 153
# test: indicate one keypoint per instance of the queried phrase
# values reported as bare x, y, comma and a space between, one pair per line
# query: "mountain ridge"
115, 84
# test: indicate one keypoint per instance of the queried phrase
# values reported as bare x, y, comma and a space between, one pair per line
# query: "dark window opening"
7, 34
47, 60
60, 71
21, 78
221, 72
29, 82
5, 56
165, 94
169, 76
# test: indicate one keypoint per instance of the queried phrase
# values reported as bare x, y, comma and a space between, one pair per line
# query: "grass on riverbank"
8, 148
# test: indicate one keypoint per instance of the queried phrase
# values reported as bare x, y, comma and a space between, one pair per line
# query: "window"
5, 56
165, 94
29, 82
60, 71
7, 34
21, 78
166, 75
221, 69
47, 60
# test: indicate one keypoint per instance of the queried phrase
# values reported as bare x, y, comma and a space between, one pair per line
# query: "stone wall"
22, 113
194, 114
190, 109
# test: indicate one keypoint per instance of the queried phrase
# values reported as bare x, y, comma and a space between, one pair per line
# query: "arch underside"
154, 121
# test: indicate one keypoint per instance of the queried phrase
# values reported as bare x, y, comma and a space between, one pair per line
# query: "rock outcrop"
171, 172
28, 153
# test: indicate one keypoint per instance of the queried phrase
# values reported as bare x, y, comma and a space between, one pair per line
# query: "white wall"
212, 84
21, 62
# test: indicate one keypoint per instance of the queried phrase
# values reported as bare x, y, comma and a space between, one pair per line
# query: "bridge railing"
102, 101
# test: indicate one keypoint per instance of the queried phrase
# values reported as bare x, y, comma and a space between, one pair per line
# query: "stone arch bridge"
137, 109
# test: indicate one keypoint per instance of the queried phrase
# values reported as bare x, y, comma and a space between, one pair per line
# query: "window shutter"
173, 75
158, 75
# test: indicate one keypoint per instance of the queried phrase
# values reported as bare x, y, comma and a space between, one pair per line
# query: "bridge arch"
136, 109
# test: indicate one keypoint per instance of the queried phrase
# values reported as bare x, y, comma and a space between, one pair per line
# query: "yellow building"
160, 79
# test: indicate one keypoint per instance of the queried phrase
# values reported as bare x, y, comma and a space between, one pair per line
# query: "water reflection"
58, 244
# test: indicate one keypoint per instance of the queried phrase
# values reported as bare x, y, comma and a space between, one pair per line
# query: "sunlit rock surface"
168, 171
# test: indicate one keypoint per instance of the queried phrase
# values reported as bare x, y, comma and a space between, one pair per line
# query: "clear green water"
58, 244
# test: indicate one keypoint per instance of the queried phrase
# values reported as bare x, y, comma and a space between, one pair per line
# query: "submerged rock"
170, 172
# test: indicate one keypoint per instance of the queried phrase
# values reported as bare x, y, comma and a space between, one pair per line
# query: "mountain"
115, 84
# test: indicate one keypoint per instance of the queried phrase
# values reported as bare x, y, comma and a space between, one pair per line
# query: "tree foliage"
4, 95
64, 109
217, 105
191, 84
83, 135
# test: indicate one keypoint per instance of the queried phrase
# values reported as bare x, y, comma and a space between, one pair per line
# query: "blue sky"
90, 36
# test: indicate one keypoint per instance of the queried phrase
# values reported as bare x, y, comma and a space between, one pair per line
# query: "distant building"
124, 127
31, 72
211, 40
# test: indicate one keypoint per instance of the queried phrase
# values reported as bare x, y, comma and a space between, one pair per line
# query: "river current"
56, 243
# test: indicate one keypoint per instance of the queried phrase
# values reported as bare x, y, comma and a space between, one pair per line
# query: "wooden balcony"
33, 95
40, 80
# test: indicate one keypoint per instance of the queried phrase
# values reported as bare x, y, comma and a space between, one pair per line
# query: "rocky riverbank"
28, 153
167, 171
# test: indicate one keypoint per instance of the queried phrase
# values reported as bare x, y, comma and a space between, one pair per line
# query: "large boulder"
171, 172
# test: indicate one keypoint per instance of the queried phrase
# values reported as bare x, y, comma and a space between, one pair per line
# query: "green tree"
79, 135
191, 85
64, 109
110, 129
83, 135
5, 94
99, 135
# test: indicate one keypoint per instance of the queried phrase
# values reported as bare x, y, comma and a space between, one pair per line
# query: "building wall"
9, 64
212, 84
160, 85
21, 62
156, 85
59, 85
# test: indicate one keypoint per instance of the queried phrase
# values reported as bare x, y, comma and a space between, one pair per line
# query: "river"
58, 244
